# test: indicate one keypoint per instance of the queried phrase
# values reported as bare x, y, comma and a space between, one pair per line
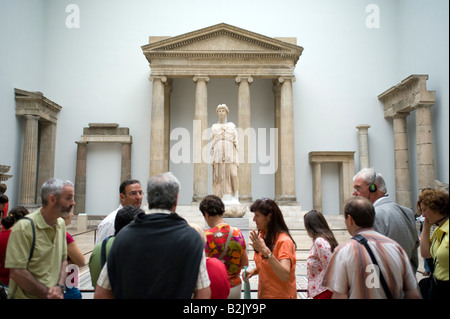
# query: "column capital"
153, 77
241, 78
200, 77
400, 115
32, 117
291, 78
363, 126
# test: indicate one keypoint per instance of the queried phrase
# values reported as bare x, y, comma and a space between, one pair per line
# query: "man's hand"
55, 292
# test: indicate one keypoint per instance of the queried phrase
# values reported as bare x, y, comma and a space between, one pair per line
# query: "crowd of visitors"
156, 254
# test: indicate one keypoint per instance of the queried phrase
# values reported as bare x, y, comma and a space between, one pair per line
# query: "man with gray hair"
158, 255
392, 220
37, 249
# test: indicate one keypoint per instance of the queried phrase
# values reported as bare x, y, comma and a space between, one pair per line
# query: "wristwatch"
268, 256
63, 288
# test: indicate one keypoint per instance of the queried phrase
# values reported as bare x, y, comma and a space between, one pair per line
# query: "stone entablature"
35, 103
3, 170
228, 51
106, 133
406, 96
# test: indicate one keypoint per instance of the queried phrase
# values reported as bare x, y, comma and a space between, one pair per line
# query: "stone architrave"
3, 170
346, 163
411, 95
225, 51
100, 133
41, 118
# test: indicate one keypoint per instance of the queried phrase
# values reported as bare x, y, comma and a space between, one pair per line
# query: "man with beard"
37, 250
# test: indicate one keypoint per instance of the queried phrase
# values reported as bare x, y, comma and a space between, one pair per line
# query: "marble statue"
225, 159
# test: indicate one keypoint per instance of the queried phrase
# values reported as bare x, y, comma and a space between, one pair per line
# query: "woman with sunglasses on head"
274, 257
434, 207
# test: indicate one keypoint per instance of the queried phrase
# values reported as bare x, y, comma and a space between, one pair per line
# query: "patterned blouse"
216, 239
317, 263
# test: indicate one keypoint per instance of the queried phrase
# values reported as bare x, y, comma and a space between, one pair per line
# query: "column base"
245, 199
286, 200
196, 199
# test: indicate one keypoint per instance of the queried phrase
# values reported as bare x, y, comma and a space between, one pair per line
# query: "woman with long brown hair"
274, 257
323, 245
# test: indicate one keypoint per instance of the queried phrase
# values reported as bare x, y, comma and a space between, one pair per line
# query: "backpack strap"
225, 248
34, 239
363, 240
103, 251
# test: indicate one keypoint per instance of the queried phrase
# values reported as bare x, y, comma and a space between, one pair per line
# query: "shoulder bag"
225, 248
363, 240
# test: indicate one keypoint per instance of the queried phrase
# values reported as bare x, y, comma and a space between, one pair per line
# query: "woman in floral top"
235, 257
322, 248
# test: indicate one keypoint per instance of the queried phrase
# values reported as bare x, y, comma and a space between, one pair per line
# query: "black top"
156, 256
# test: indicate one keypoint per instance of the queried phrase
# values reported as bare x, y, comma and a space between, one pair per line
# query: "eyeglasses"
360, 187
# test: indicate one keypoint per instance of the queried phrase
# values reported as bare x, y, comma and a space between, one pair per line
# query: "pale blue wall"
98, 73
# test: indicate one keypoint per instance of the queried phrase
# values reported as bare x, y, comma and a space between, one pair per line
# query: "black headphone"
372, 187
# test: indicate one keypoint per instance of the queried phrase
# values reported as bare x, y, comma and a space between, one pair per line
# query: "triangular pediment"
221, 50
222, 38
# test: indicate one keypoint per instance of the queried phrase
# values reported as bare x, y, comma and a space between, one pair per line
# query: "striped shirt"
352, 272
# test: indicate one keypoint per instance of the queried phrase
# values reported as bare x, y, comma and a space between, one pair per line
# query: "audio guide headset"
372, 187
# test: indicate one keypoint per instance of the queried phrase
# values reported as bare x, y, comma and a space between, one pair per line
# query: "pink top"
317, 263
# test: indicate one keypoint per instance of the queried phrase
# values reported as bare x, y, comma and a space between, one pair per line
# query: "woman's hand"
258, 243
250, 273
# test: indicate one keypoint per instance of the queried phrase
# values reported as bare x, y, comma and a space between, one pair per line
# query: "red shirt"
218, 275
4, 272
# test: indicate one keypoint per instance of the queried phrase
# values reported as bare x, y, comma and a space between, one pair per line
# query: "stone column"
277, 96
363, 136
125, 171
401, 161
201, 115
317, 186
157, 142
244, 123
426, 174
47, 150
287, 147
167, 92
80, 178
346, 172
29, 162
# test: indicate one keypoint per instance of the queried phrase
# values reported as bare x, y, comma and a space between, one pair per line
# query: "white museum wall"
424, 49
97, 73
22, 43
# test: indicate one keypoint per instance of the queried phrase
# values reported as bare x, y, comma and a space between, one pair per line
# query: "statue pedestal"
232, 206
242, 223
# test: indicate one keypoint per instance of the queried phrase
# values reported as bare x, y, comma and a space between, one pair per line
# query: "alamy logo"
73, 19
373, 19
72, 276
262, 146
373, 276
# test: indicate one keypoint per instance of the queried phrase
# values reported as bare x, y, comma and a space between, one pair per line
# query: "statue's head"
222, 107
